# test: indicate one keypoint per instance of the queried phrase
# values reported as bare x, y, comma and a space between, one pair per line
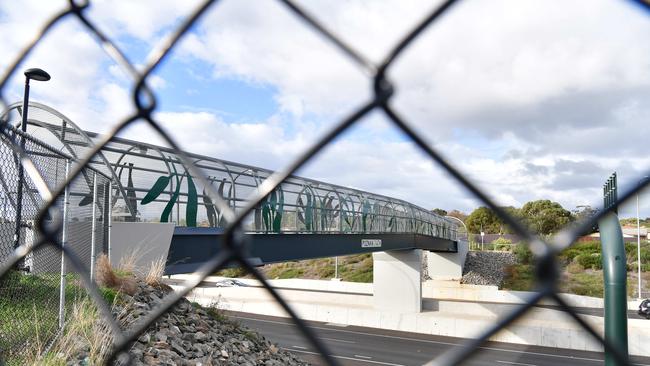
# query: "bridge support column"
396, 280
447, 266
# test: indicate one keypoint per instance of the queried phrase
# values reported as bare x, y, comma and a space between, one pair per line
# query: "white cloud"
142, 19
530, 99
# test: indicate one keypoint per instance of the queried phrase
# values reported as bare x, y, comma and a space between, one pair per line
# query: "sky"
533, 99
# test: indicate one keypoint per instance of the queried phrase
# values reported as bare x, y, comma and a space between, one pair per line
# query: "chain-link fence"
32, 292
145, 104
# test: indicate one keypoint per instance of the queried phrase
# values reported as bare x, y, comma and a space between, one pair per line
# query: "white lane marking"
299, 347
337, 340
365, 357
435, 342
348, 358
337, 325
516, 363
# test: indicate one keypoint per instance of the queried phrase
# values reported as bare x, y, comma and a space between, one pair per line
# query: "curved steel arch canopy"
156, 186
59, 132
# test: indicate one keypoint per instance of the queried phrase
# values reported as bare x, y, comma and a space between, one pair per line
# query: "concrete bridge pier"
397, 276
397, 286
447, 266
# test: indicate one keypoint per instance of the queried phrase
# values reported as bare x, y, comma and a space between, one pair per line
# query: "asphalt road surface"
360, 346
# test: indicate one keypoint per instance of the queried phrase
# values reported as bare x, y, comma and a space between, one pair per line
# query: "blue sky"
530, 99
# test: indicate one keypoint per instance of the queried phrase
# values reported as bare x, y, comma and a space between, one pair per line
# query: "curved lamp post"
461, 221
30, 74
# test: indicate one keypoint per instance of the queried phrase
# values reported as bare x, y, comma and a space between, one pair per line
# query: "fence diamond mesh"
30, 291
144, 100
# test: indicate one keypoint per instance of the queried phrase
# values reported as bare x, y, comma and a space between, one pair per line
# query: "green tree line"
541, 216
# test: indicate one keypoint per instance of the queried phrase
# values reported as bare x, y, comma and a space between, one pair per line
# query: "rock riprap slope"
487, 268
191, 335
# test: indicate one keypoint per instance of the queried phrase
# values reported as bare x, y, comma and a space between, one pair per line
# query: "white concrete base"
541, 326
447, 266
396, 280
146, 242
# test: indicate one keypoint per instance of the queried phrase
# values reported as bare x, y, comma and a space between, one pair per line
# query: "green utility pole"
615, 275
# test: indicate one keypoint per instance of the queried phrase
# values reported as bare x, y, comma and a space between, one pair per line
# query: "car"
230, 283
644, 308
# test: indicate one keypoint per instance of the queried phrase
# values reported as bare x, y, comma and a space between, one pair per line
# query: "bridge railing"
237, 213
298, 205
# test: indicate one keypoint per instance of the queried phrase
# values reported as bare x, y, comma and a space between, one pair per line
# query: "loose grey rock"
188, 335
486, 268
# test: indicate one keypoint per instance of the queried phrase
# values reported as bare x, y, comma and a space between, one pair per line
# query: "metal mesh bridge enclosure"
298, 205
49, 192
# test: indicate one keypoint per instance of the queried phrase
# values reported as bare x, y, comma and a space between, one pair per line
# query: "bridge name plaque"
370, 243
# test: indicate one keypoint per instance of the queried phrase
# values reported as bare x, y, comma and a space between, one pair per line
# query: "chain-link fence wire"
30, 291
233, 241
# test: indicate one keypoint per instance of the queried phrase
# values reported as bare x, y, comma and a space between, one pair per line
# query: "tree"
545, 216
485, 219
439, 211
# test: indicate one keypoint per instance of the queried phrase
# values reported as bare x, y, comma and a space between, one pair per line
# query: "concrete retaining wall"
544, 327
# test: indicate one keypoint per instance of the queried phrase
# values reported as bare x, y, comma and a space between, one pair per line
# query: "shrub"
593, 261
589, 247
502, 244
523, 253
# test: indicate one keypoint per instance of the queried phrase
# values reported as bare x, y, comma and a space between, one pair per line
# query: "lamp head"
37, 74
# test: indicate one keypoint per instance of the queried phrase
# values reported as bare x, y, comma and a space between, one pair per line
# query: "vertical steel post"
110, 218
93, 230
336, 267
615, 277
638, 245
64, 237
21, 171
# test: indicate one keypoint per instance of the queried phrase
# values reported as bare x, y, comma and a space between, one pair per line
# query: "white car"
644, 308
230, 283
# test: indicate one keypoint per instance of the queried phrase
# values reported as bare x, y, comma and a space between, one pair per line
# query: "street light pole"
464, 226
461, 221
39, 75
638, 239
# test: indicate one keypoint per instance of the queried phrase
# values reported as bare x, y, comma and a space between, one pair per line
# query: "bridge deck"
190, 247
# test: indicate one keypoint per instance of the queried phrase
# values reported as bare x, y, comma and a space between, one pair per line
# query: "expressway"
359, 346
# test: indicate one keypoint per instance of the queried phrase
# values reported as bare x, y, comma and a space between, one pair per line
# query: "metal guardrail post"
93, 230
66, 202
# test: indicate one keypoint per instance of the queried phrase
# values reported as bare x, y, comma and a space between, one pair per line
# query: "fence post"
110, 218
66, 202
93, 230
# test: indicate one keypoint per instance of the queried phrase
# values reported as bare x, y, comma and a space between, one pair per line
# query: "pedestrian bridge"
303, 218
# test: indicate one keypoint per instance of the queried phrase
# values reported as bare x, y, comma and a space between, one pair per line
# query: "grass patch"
232, 272
588, 283
29, 309
519, 277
